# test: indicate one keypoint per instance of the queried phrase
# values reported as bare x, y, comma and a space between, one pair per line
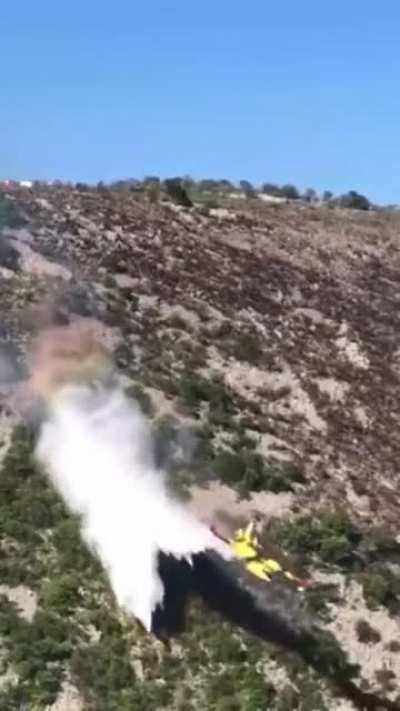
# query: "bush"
153, 193
72, 554
270, 189
211, 204
248, 472
310, 195
367, 634
10, 216
177, 193
229, 467
290, 192
36, 652
386, 678
61, 593
379, 545
164, 441
248, 189
331, 536
137, 393
381, 587
195, 390
247, 347
319, 598
355, 201
323, 651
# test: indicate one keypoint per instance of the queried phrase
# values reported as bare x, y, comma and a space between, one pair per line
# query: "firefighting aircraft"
246, 546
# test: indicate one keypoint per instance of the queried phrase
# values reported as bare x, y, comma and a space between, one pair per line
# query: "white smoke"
97, 449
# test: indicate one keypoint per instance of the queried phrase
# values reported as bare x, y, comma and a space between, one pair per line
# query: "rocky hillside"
262, 342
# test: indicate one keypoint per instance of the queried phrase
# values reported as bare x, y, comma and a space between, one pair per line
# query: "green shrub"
176, 192
331, 536
229, 467
386, 678
137, 393
10, 215
379, 544
247, 347
61, 593
354, 200
319, 597
381, 587
211, 203
365, 633
196, 390
248, 472
36, 652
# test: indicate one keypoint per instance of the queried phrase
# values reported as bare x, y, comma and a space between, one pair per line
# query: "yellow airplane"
246, 546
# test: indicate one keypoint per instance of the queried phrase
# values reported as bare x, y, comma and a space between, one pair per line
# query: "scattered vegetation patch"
43, 544
196, 390
10, 215
28, 508
138, 393
380, 544
319, 653
73, 596
320, 598
247, 472
381, 587
210, 203
165, 435
367, 634
247, 347
387, 679
184, 453
228, 666
176, 192
176, 321
104, 674
273, 394
329, 537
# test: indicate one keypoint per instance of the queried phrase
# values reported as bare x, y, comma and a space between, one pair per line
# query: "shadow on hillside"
273, 612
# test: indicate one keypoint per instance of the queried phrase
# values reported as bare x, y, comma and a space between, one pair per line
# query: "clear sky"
306, 92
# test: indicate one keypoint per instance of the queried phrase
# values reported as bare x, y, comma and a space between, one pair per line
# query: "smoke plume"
96, 447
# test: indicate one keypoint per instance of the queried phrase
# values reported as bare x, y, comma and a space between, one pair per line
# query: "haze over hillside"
265, 335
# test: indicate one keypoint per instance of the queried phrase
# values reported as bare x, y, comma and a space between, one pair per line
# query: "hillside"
262, 341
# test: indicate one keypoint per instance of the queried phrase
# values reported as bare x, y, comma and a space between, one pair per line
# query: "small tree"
355, 201
327, 196
248, 189
290, 192
270, 189
225, 186
150, 179
9, 214
177, 192
207, 185
188, 183
152, 187
310, 195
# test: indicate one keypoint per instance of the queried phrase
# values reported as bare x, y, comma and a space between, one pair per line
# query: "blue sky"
304, 92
